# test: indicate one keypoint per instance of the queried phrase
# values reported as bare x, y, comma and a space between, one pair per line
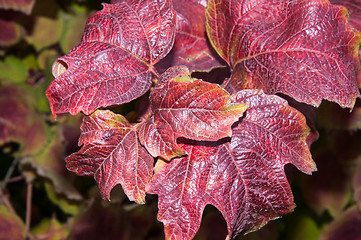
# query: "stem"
15, 179
28, 206
6, 202
9, 172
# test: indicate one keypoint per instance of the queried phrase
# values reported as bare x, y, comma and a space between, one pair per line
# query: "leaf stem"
6, 202
28, 206
10, 172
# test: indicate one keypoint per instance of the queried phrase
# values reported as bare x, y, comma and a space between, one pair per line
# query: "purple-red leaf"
186, 107
24, 6
329, 188
19, 121
345, 226
112, 154
191, 46
10, 33
114, 60
244, 178
304, 49
354, 7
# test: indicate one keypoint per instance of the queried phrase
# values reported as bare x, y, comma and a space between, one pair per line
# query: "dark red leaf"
112, 154
330, 187
345, 226
24, 6
114, 60
191, 47
243, 178
332, 116
10, 33
186, 107
304, 49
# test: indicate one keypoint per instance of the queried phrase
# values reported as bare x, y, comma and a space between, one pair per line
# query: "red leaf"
354, 7
112, 154
115, 58
191, 47
185, 107
243, 178
24, 6
10, 33
304, 49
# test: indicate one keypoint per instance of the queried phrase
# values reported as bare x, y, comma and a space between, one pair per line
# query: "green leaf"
74, 23
46, 28
13, 69
51, 227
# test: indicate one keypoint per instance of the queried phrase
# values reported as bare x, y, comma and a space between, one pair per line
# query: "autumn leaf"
113, 63
304, 49
243, 178
186, 107
11, 225
191, 46
354, 7
19, 121
112, 154
24, 6
10, 33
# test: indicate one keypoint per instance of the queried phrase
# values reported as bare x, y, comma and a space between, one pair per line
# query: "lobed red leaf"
114, 60
185, 107
304, 49
112, 154
244, 178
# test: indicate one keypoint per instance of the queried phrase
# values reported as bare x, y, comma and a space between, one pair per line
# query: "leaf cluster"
198, 102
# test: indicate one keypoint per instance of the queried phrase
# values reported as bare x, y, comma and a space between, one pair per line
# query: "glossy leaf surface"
112, 154
243, 178
191, 46
186, 107
113, 62
303, 49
